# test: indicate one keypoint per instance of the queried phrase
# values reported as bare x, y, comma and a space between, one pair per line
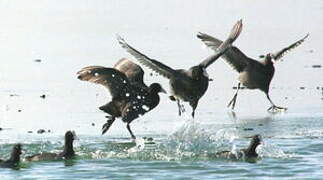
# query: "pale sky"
68, 35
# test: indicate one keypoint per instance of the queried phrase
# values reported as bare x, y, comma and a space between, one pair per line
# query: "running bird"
186, 85
131, 97
67, 153
253, 74
14, 159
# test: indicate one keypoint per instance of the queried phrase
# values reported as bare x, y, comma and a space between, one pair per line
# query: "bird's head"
156, 88
198, 72
70, 136
269, 58
256, 140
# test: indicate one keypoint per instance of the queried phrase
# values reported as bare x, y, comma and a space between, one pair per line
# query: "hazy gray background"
68, 35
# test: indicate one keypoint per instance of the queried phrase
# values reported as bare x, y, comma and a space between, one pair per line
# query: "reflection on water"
70, 162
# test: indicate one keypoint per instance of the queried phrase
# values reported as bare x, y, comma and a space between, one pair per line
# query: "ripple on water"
180, 154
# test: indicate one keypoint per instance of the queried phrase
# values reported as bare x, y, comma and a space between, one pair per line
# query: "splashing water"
272, 151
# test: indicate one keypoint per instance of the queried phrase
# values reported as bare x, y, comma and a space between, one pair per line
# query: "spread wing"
282, 52
134, 72
235, 32
112, 79
154, 65
233, 56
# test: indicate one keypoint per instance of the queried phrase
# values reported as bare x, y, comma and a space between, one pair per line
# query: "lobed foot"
276, 109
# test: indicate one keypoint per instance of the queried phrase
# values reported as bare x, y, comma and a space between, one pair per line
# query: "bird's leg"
181, 108
132, 136
108, 124
234, 99
193, 105
273, 107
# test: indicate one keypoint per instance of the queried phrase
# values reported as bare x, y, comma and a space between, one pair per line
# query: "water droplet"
146, 108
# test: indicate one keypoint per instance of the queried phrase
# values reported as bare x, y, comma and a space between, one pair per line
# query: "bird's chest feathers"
190, 87
261, 75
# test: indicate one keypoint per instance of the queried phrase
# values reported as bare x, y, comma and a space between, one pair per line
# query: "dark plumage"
245, 154
186, 85
67, 153
252, 74
14, 159
131, 97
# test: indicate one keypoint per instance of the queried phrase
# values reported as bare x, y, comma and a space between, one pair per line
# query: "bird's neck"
14, 158
68, 149
251, 149
154, 99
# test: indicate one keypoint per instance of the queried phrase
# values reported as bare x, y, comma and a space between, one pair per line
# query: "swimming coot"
245, 154
14, 159
67, 153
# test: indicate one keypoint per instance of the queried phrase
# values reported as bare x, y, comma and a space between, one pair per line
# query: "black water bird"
243, 154
131, 97
253, 74
14, 159
186, 85
67, 153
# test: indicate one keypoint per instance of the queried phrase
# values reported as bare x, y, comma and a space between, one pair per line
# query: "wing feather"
114, 80
235, 32
233, 56
282, 52
154, 65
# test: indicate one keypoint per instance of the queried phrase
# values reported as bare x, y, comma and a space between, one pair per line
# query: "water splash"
190, 141
272, 151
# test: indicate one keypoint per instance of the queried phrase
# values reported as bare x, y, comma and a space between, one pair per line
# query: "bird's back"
133, 72
45, 156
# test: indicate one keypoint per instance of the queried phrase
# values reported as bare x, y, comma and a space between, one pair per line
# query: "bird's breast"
189, 89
